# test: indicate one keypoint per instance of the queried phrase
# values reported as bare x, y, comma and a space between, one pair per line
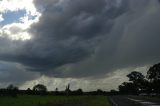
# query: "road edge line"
112, 101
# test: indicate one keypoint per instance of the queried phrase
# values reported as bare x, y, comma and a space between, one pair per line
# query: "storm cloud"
86, 38
69, 31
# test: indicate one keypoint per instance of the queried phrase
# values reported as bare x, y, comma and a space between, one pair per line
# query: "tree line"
38, 89
140, 84
137, 84
41, 90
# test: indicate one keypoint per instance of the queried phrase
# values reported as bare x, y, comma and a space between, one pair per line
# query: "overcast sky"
88, 43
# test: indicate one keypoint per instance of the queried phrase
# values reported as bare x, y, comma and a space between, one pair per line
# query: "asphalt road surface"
131, 101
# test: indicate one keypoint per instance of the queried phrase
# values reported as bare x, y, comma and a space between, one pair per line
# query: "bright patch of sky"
1, 18
12, 17
15, 5
17, 14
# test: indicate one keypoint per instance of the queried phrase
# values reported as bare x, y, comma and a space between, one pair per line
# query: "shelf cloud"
84, 38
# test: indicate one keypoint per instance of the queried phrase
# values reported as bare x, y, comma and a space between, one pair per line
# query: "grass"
55, 101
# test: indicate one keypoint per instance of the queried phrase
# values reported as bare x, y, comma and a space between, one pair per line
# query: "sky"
90, 44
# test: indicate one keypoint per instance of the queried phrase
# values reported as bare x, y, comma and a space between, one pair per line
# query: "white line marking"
144, 102
114, 103
135, 100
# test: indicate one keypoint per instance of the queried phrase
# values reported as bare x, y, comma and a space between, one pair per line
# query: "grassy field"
54, 101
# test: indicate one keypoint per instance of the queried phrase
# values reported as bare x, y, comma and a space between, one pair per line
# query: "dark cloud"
77, 19
72, 33
81, 38
14, 73
133, 42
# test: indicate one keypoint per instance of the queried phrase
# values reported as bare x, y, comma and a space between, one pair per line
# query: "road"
131, 101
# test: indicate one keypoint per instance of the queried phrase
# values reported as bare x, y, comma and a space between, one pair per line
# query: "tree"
138, 80
68, 89
135, 76
78, 92
29, 91
128, 88
137, 84
154, 72
99, 92
40, 87
113, 92
11, 87
56, 89
12, 90
153, 75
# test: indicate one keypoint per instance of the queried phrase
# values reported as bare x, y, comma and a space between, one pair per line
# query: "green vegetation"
54, 101
139, 84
